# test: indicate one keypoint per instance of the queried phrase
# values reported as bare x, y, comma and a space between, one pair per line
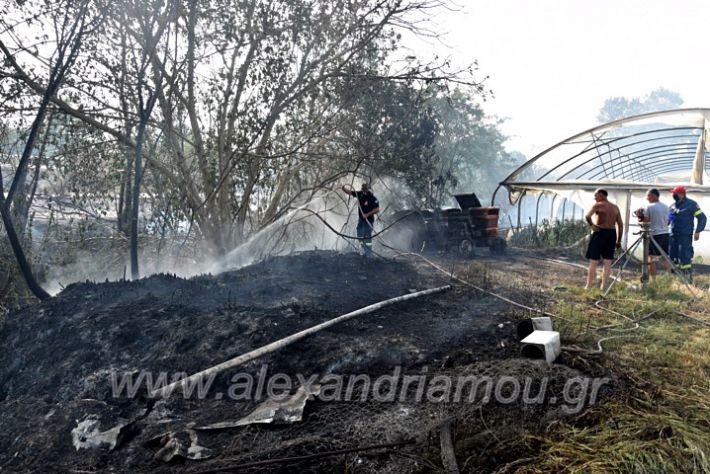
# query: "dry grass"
661, 424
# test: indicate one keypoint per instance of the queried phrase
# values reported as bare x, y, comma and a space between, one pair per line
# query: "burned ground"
55, 369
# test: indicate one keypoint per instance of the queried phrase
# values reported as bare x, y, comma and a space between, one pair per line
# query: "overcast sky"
552, 63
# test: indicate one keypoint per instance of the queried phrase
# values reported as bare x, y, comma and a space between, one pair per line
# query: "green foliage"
16, 293
470, 147
437, 142
550, 234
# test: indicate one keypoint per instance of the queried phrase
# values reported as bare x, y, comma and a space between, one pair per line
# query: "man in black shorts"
607, 230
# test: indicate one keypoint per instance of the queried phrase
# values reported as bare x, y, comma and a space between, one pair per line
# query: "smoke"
300, 229
111, 262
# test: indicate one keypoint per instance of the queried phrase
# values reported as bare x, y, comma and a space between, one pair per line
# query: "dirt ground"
59, 356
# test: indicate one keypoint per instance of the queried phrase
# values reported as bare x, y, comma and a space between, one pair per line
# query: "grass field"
662, 423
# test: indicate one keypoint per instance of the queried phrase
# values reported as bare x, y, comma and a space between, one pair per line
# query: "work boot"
687, 271
367, 249
685, 274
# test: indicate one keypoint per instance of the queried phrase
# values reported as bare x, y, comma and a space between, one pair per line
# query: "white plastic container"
542, 345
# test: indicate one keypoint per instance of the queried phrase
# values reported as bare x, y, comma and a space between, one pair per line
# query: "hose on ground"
597, 303
167, 390
402, 253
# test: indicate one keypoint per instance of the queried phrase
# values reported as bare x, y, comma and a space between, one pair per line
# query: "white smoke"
298, 230
301, 229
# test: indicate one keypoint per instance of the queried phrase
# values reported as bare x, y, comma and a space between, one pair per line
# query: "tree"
616, 108
152, 23
248, 87
214, 118
77, 21
471, 148
438, 142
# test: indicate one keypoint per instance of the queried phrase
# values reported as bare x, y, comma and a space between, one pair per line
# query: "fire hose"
597, 303
401, 253
281, 343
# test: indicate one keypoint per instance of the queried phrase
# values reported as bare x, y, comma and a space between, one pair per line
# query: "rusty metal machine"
458, 230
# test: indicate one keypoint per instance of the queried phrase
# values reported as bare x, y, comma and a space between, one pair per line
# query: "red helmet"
678, 190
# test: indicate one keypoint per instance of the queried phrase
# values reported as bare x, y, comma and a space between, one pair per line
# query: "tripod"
645, 239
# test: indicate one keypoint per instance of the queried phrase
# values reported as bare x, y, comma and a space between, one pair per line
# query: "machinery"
458, 230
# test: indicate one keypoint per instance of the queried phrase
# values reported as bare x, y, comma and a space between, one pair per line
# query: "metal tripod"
645, 239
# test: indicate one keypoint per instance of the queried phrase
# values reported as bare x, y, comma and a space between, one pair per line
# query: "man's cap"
678, 190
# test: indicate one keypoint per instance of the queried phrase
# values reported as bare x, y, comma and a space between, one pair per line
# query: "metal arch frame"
672, 158
549, 186
537, 209
669, 158
628, 161
552, 206
609, 126
633, 158
595, 139
601, 142
619, 137
610, 150
504, 182
676, 156
671, 167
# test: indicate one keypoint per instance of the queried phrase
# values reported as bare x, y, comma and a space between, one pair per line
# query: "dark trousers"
682, 250
364, 232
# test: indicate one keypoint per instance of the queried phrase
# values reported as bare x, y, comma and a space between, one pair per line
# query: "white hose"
281, 343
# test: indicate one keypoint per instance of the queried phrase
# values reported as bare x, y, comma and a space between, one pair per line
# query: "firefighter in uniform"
368, 206
683, 213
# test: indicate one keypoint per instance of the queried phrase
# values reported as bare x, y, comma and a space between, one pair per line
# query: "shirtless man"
605, 238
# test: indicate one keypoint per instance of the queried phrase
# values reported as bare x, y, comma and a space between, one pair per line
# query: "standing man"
683, 213
368, 206
657, 214
605, 237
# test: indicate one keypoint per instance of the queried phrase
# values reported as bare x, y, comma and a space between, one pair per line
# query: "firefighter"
683, 213
368, 206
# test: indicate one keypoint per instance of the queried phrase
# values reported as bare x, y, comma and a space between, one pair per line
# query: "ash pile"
76, 373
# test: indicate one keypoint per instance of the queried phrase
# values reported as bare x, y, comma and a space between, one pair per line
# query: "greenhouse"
626, 157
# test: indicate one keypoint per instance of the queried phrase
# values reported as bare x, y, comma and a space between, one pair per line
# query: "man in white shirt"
657, 214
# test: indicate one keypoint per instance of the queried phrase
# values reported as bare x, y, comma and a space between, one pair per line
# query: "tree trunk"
135, 274
24, 204
124, 199
22, 262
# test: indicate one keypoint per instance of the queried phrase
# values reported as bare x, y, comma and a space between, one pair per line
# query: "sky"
552, 63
